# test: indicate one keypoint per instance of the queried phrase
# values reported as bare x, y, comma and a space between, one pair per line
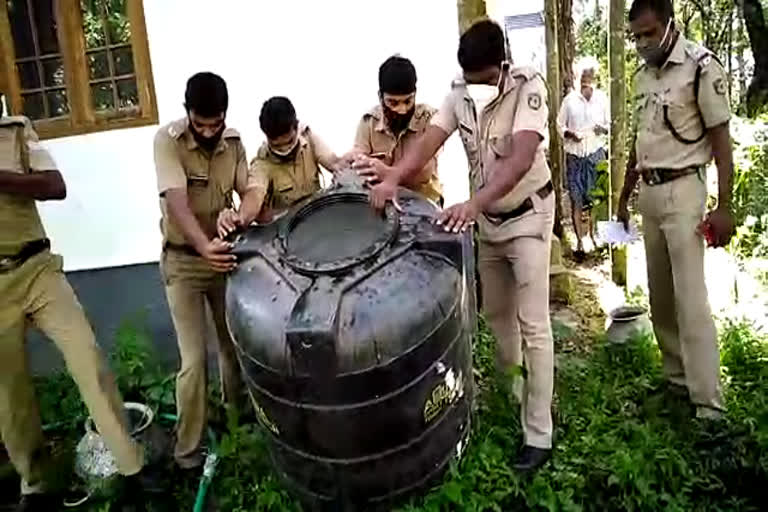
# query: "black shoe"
668, 399
531, 459
39, 503
134, 490
712, 429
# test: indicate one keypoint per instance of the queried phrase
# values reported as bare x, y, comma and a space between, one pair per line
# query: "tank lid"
336, 232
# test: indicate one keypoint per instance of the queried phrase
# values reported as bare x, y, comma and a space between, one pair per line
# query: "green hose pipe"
64, 423
209, 468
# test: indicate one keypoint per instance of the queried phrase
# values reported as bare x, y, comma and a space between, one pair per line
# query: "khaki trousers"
189, 284
515, 288
680, 311
38, 293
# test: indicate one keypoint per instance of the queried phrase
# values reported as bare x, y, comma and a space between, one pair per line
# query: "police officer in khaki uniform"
34, 290
501, 114
388, 129
200, 162
288, 163
682, 114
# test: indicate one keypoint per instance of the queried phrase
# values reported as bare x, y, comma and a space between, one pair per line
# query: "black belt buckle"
501, 218
524, 207
8, 263
654, 177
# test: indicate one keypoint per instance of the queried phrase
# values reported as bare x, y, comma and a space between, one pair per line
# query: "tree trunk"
561, 282
757, 93
566, 43
741, 62
618, 161
469, 12
730, 55
556, 157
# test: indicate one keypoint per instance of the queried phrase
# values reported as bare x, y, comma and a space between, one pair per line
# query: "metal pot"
626, 322
96, 465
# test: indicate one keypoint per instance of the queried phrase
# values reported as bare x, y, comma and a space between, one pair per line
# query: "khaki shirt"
209, 179
375, 136
520, 106
289, 181
672, 85
20, 152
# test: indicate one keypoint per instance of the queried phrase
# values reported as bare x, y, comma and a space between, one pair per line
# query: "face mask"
654, 55
398, 122
207, 143
482, 94
286, 152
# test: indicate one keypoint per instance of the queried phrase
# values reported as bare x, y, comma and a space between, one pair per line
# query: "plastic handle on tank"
311, 329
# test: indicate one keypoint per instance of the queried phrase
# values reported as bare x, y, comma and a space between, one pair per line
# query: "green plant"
637, 297
136, 364
618, 446
246, 480
750, 190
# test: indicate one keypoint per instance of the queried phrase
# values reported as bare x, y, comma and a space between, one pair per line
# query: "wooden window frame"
82, 118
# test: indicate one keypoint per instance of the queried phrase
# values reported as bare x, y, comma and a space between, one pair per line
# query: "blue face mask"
654, 55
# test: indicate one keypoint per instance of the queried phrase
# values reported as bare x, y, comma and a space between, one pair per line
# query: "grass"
619, 444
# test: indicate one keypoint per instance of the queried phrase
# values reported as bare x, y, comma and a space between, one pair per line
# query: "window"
76, 66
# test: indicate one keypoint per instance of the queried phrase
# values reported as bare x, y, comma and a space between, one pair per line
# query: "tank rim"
392, 223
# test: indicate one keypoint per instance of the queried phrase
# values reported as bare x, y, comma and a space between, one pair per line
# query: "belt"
654, 177
33, 248
187, 249
525, 207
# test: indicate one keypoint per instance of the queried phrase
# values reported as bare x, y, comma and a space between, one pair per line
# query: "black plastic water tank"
354, 336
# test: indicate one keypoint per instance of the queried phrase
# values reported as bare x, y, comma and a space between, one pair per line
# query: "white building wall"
323, 55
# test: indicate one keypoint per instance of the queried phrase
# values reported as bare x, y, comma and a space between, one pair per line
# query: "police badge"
534, 101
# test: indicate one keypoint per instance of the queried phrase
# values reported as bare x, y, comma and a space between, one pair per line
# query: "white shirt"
580, 117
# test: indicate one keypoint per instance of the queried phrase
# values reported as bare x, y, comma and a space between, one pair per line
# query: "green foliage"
619, 444
245, 480
750, 191
117, 25
139, 374
592, 40
637, 297
601, 193
60, 403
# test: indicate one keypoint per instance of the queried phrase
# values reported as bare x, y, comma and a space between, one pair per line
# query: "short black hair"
663, 9
206, 94
397, 76
277, 117
481, 46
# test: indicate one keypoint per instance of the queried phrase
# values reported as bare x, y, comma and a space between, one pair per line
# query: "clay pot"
626, 322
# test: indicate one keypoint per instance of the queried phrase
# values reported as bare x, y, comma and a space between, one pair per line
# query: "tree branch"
754, 19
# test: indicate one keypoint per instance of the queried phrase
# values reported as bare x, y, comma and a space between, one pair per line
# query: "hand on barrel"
229, 220
384, 180
459, 217
383, 192
348, 159
372, 169
216, 253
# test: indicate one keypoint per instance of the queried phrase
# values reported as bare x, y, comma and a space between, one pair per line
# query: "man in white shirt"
583, 122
